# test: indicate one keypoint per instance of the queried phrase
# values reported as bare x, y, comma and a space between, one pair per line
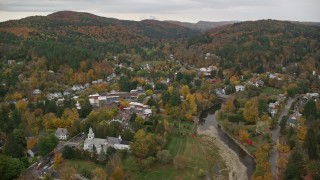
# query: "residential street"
33, 171
273, 156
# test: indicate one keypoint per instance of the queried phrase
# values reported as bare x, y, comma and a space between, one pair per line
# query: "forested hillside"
259, 46
68, 37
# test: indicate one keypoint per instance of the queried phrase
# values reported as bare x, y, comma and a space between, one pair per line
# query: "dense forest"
259, 46
69, 37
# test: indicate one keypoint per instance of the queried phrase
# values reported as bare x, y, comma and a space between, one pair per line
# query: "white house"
94, 99
103, 144
62, 133
36, 92
33, 151
239, 88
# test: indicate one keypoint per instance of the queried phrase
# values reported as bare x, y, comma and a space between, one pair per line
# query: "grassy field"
202, 156
271, 91
79, 165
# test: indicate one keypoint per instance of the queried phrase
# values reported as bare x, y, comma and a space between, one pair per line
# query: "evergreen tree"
310, 144
295, 169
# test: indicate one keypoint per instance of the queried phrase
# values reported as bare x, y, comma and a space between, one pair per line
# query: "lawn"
202, 156
271, 91
79, 165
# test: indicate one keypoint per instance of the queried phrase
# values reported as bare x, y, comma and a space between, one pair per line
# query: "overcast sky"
182, 10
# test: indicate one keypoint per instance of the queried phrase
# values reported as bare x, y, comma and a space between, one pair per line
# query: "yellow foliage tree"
302, 132
99, 173
21, 106
193, 104
282, 162
124, 103
228, 106
57, 160
117, 173
250, 112
149, 92
185, 90
170, 89
243, 135
265, 118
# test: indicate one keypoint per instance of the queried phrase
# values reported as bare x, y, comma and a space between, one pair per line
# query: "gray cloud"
186, 10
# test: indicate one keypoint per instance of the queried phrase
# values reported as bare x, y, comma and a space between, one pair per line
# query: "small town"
85, 96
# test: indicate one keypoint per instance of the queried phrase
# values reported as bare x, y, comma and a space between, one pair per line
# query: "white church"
100, 144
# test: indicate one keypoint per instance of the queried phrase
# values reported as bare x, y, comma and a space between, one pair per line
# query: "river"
242, 163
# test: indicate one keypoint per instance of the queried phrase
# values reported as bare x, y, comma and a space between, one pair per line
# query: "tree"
13, 148
10, 168
68, 152
164, 156
139, 120
117, 173
86, 108
31, 142
243, 135
310, 110
127, 135
302, 131
295, 169
314, 168
47, 143
175, 99
57, 160
185, 90
228, 106
102, 156
283, 124
68, 173
192, 104
99, 174
310, 144
139, 146
149, 92
250, 112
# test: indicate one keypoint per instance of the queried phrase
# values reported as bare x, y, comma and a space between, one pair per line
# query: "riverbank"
238, 143
237, 170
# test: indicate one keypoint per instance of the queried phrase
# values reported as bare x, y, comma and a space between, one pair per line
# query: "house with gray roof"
103, 144
61, 133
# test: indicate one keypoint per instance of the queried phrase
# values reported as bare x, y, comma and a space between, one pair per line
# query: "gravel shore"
237, 171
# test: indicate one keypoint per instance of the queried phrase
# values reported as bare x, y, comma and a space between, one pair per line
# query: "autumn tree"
139, 146
250, 112
31, 142
302, 132
228, 106
117, 173
99, 174
68, 173
243, 135
185, 90
57, 160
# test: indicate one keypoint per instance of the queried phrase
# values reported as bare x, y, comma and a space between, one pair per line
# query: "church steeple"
90, 134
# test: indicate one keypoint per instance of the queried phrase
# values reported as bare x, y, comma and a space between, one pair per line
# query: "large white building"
100, 144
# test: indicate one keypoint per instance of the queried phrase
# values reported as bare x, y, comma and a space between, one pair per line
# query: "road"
33, 172
273, 156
